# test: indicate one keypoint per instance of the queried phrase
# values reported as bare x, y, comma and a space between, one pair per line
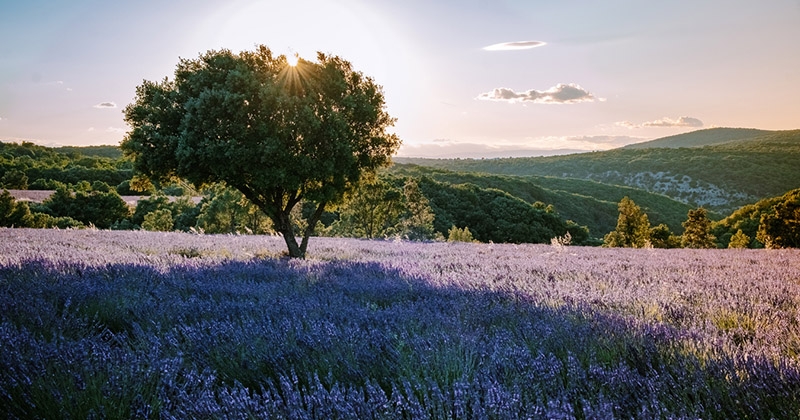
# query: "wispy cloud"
516, 45
115, 130
106, 105
680, 122
559, 94
55, 83
664, 122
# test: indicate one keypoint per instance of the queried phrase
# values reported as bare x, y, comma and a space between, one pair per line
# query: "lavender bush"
121, 324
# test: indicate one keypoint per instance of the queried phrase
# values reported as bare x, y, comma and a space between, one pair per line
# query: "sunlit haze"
463, 78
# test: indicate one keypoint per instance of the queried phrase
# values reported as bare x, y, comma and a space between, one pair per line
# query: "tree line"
770, 223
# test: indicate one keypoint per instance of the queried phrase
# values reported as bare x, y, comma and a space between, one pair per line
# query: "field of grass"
131, 324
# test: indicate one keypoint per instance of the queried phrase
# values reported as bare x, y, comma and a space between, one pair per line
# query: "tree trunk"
312, 223
284, 226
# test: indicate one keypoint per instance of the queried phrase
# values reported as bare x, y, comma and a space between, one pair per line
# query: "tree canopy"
280, 134
633, 227
697, 230
780, 225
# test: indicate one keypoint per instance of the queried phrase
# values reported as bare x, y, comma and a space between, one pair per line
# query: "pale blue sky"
609, 73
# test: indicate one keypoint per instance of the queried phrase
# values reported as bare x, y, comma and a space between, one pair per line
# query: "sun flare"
292, 59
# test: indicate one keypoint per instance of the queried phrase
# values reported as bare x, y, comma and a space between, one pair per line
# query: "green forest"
735, 188
718, 174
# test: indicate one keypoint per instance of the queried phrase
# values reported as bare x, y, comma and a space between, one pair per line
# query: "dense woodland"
738, 187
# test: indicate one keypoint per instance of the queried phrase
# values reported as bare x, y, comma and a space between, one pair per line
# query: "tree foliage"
770, 220
158, 220
27, 165
739, 240
280, 134
14, 179
697, 230
633, 227
780, 226
226, 210
662, 237
98, 205
371, 211
417, 223
456, 234
384, 207
13, 213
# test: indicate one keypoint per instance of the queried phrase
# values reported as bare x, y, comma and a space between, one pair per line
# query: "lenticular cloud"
517, 45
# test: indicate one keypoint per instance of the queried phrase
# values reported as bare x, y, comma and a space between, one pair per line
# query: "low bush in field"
115, 324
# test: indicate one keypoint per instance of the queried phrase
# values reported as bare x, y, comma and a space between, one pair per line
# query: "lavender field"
130, 324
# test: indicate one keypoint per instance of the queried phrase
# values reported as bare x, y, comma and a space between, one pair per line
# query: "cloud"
106, 105
516, 45
627, 124
115, 130
559, 94
680, 122
664, 122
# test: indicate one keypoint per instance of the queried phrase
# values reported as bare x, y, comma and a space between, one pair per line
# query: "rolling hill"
587, 203
701, 138
724, 170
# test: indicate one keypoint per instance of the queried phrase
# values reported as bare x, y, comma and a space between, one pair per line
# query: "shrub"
459, 235
158, 220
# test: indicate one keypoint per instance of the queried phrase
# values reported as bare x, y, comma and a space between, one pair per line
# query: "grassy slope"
739, 172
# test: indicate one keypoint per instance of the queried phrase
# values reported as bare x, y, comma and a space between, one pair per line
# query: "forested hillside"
587, 203
771, 222
722, 177
28, 166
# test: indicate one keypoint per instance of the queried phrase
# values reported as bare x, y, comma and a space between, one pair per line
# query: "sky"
470, 78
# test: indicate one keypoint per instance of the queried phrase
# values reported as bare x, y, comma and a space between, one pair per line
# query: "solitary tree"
277, 132
697, 230
633, 227
739, 240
